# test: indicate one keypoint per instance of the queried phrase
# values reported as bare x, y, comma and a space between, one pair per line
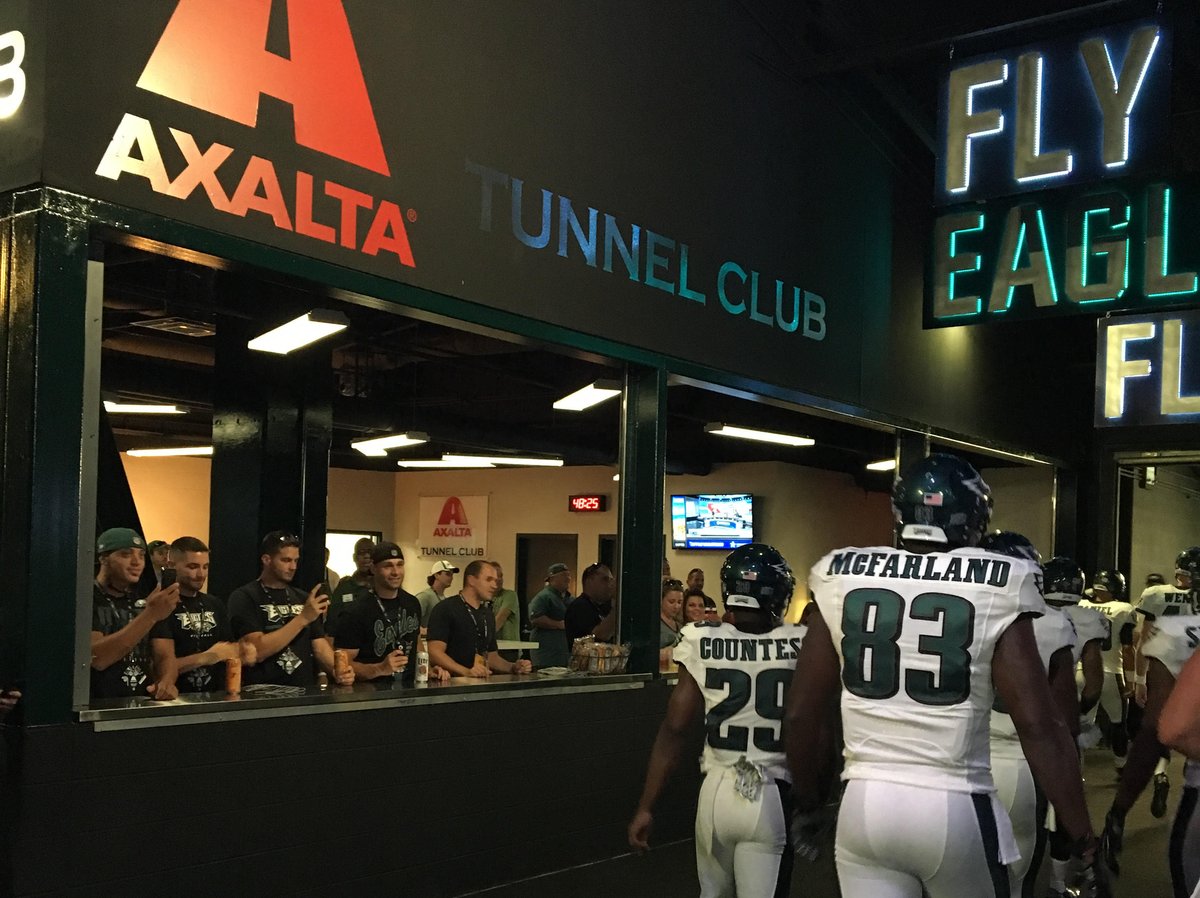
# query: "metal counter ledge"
140, 713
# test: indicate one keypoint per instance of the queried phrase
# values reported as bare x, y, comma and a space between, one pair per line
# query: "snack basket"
591, 657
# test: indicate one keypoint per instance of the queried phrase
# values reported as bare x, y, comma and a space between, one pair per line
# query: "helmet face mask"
942, 500
757, 577
1187, 564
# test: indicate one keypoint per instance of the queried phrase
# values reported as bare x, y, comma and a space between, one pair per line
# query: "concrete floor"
669, 871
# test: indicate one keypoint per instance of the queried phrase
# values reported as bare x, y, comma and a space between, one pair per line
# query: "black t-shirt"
466, 631
342, 599
131, 675
197, 623
582, 616
377, 627
255, 608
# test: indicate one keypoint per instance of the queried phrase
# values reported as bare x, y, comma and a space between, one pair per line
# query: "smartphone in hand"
168, 577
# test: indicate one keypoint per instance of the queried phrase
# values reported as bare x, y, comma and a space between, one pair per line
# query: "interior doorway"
535, 553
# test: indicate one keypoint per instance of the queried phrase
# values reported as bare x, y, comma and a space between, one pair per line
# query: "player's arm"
1128, 661
1062, 687
1022, 685
811, 721
684, 707
1093, 676
1179, 722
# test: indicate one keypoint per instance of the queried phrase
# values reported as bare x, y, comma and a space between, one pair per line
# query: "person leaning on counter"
462, 633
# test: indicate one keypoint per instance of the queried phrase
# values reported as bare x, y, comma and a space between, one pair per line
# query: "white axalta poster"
453, 527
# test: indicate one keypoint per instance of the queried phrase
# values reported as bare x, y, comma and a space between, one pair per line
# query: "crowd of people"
162, 635
955, 676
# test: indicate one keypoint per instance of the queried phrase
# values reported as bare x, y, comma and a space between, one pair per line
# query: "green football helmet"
942, 500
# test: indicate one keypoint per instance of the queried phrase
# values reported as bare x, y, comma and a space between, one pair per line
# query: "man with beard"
195, 639
379, 631
122, 621
349, 589
282, 625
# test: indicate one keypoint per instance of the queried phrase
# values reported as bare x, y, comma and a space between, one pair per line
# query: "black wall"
433, 800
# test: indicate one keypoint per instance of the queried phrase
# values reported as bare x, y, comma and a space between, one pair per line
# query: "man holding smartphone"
195, 640
122, 620
283, 626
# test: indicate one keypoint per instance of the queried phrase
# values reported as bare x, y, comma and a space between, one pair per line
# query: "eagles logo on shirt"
281, 612
199, 678
133, 676
199, 622
289, 661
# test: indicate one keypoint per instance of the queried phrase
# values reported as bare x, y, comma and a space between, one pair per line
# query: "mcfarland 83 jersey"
744, 678
916, 634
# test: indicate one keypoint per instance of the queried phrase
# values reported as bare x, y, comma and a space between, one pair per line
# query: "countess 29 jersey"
744, 679
916, 634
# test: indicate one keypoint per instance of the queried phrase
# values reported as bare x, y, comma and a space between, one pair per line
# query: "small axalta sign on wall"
453, 526
212, 56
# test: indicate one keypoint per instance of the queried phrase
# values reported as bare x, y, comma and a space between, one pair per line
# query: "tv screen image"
723, 521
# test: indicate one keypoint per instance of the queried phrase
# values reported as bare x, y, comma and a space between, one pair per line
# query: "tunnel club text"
541, 219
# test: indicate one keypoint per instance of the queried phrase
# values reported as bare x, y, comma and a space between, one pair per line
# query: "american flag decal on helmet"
932, 499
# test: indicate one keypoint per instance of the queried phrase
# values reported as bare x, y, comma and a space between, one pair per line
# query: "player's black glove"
1111, 840
1093, 879
810, 829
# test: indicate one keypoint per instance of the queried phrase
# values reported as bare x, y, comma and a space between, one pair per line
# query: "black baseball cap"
385, 551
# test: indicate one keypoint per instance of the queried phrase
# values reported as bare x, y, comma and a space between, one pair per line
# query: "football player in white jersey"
1015, 786
1112, 711
1168, 644
738, 675
920, 640
1062, 583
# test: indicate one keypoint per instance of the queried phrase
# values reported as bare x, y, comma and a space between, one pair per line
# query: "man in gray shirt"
546, 612
441, 575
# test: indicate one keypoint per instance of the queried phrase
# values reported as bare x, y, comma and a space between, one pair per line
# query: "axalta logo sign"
212, 56
453, 519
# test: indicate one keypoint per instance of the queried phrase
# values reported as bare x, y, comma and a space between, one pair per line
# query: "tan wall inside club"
1166, 518
804, 512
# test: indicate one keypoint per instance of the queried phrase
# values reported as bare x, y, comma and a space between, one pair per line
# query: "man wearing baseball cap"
547, 610
121, 621
379, 631
441, 575
158, 553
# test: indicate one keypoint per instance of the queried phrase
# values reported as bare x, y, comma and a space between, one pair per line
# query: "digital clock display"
588, 502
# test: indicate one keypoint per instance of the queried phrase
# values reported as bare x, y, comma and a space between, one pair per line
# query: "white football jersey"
1120, 616
1164, 601
916, 635
744, 678
1090, 626
1054, 631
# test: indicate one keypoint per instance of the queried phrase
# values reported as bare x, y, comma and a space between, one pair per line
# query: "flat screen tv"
723, 521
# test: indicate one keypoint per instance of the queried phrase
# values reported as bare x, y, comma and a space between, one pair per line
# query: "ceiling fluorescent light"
173, 450
301, 331
762, 436
441, 463
887, 464
142, 408
378, 446
593, 394
504, 460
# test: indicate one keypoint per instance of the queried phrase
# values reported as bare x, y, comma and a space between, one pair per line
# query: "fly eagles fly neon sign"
1047, 168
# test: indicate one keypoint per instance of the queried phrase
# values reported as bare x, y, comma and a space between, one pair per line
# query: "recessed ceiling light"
377, 447
142, 408
761, 436
171, 450
593, 394
301, 331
